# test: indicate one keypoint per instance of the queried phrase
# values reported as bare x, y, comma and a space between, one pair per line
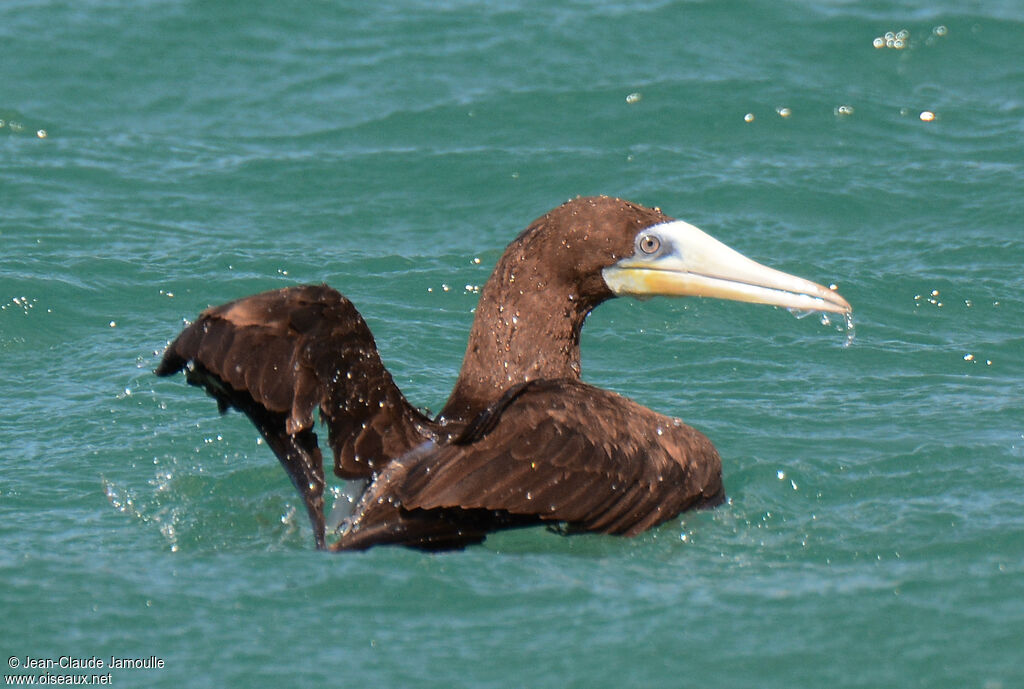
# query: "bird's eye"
649, 244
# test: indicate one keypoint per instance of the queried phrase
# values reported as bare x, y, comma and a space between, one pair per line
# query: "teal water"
157, 157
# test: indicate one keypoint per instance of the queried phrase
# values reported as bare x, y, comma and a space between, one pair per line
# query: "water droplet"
940, 30
634, 97
927, 116
851, 330
749, 117
784, 112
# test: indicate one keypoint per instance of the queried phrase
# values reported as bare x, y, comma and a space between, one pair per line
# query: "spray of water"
846, 326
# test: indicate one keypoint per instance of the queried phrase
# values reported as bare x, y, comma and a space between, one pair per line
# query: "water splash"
846, 326
166, 518
851, 329
345, 498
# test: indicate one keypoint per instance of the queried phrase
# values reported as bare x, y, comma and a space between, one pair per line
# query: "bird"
522, 440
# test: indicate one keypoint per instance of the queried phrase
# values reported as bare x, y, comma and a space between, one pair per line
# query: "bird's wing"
277, 356
560, 451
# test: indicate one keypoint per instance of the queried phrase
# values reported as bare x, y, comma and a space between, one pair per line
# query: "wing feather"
279, 355
564, 451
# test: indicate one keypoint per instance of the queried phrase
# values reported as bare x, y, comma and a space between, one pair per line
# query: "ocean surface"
161, 156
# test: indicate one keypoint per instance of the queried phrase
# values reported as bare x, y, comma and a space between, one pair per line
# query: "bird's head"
615, 248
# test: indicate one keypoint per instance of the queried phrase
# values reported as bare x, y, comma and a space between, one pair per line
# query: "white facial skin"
678, 259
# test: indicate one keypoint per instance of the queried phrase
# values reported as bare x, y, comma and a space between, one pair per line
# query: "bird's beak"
678, 259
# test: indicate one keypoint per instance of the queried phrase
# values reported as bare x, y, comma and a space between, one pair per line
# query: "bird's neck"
527, 327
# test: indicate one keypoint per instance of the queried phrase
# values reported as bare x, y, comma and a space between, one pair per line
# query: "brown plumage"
522, 440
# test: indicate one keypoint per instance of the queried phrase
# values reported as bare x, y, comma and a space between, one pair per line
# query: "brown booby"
522, 439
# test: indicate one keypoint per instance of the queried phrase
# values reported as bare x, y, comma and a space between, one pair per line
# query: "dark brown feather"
278, 355
562, 451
